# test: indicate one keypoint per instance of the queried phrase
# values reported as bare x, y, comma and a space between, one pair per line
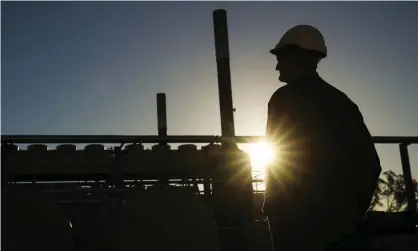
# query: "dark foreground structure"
114, 194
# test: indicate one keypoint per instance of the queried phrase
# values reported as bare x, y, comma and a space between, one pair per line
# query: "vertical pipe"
409, 187
162, 116
162, 128
224, 75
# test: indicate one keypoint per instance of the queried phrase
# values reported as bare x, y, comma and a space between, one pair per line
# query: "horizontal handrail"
85, 139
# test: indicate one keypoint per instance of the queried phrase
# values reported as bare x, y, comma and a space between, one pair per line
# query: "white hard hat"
306, 37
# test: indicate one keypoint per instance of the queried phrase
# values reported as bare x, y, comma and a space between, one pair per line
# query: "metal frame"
126, 139
403, 143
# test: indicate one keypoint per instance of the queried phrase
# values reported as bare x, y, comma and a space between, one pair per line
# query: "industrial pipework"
220, 27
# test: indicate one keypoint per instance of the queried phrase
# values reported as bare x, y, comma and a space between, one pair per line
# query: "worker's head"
299, 52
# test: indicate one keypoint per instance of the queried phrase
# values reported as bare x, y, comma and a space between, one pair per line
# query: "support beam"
162, 116
103, 139
220, 27
409, 186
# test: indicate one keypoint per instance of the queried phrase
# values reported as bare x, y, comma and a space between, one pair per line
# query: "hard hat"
304, 36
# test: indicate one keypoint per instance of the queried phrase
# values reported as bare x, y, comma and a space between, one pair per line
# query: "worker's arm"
285, 129
278, 122
364, 134
281, 132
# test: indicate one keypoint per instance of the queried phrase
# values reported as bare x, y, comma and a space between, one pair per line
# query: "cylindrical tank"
187, 161
133, 148
34, 161
66, 148
94, 149
187, 148
161, 147
7, 154
37, 148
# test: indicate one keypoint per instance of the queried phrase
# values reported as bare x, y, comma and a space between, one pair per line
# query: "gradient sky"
95, 67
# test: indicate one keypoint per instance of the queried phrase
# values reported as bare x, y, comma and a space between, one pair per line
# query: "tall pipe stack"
162, 129
224, 73
232, 189
162, 116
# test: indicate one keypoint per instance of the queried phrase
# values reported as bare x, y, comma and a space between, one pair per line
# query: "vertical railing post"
162, 116
409, 186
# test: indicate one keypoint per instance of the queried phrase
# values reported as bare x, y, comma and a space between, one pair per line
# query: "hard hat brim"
276, 52
273, 51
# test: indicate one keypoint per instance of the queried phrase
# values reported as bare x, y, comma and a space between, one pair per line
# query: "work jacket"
324, 149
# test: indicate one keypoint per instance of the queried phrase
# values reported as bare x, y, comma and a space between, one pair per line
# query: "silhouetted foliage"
390, 193
377, 201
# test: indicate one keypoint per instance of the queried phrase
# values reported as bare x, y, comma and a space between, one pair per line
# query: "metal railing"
403, 143
102, 139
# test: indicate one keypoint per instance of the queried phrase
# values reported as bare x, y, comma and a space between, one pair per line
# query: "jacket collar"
307, 79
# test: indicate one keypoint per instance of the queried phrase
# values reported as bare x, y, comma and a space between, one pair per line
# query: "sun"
261, 154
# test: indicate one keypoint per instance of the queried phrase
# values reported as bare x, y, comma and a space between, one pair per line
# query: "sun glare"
261, 154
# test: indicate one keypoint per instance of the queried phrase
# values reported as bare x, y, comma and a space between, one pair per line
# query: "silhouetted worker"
322, 184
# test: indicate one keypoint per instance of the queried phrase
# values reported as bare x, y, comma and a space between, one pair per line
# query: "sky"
95, 67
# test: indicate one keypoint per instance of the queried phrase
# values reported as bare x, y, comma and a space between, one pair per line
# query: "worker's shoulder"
283, 94
311, 93
335, 94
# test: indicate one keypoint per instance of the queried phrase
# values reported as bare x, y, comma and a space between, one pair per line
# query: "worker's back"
328, 161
